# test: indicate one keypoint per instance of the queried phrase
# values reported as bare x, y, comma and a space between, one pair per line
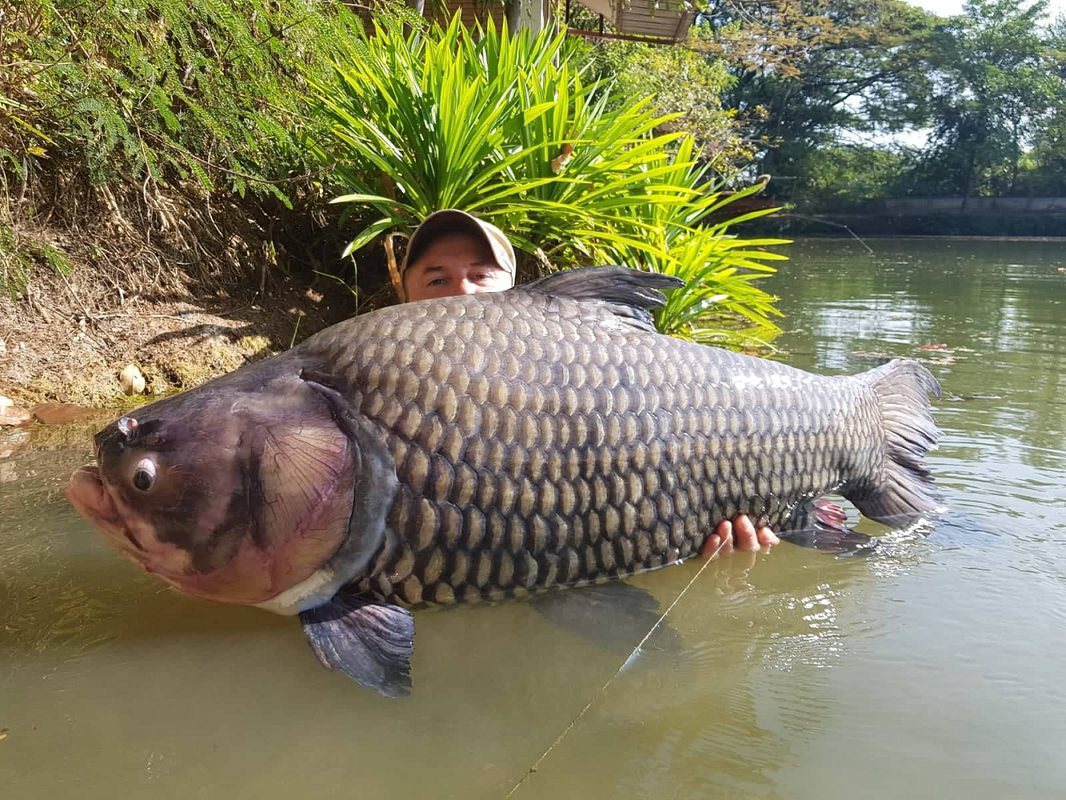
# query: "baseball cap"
450, 220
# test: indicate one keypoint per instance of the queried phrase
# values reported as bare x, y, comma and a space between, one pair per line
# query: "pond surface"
931, 670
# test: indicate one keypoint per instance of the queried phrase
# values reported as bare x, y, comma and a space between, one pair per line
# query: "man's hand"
740, 534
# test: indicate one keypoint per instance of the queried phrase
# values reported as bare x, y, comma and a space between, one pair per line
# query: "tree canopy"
862, 98
996, 86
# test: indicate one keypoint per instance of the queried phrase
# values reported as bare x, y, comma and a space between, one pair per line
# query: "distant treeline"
976, 224
827, 94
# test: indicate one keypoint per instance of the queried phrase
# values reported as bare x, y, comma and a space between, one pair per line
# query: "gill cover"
236, 491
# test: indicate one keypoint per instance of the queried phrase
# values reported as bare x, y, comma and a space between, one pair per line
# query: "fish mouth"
90, 497
87, 493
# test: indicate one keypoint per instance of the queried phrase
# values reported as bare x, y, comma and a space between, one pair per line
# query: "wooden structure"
650, 21
472, 11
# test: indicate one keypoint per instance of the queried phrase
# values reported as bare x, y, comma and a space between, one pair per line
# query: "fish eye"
144, 476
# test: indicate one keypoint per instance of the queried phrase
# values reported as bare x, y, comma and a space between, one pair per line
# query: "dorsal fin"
631, 292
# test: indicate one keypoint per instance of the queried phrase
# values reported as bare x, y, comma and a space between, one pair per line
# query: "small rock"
15, 417
13, 442
8, 475
132, 380
5, 401
61, 413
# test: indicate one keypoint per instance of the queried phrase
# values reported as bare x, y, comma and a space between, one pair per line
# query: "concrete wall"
975, 205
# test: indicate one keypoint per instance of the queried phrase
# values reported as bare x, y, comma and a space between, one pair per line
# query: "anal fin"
368, 641
820, 524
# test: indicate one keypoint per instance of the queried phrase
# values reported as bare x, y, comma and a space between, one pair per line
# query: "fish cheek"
238, 514
209, 520
279, 510
203, 499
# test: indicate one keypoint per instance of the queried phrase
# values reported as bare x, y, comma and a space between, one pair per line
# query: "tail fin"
905, 488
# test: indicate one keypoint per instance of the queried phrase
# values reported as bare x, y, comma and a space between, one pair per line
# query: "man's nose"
468, 287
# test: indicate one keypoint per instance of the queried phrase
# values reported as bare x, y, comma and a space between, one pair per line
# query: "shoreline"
967, 237
77, 358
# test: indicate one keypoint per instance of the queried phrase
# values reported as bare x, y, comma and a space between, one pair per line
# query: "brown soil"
176, 343
182, 286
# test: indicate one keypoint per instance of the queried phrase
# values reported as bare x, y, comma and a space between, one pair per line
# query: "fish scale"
564, 448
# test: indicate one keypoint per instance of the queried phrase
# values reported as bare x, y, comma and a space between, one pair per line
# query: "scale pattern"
544, 441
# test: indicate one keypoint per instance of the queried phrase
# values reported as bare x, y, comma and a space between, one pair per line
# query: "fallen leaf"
932, 347
61, 413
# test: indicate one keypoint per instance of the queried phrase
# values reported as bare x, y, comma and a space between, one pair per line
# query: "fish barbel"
492, 445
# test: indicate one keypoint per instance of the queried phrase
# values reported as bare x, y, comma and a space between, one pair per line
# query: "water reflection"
747, 696
1001, 321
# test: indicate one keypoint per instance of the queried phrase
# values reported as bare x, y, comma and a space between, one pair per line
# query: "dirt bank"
177, 343
108, 280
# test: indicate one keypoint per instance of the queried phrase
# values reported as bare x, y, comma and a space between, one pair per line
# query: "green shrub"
685, 81
165, 90
719, 269
507, 127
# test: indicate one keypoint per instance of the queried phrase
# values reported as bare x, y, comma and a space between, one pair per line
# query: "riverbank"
51, 355
186, 297
73, 356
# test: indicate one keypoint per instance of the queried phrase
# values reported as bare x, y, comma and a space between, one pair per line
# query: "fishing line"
617, 672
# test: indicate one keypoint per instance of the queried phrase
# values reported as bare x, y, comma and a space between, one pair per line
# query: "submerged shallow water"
930, 670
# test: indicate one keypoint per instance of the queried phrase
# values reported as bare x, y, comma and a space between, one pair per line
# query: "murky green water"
931, 670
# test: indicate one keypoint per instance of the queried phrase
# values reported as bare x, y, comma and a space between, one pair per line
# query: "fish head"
229, 493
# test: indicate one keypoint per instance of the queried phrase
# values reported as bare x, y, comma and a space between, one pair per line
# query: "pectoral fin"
368, 641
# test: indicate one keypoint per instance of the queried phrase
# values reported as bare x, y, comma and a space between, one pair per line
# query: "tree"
841, 177
682, 81
995, 87
1046, 160
807, 69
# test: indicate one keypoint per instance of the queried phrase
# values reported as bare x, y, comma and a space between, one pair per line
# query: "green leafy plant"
507, 127
685, 81
151, 107
691, 241
159, 90
494, 124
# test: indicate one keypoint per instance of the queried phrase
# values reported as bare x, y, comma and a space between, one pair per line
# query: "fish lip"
87, 493
90, 497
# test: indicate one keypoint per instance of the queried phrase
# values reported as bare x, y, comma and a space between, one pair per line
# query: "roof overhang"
665, 21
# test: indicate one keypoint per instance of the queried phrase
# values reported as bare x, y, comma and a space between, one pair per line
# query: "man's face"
454, 264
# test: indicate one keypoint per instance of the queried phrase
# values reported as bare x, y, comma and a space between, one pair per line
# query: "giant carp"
488, 446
